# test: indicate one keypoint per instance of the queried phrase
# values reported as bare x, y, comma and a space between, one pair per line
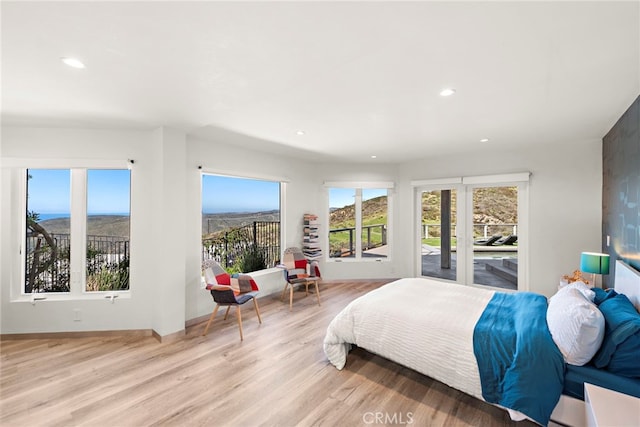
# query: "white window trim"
283, 197
483, 180
77, 279
464, 186
358, 186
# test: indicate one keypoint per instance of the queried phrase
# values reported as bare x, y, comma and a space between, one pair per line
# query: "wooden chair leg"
317, 292
290, 297
255, 304
284, 290
213, 315
239, 321
226, 313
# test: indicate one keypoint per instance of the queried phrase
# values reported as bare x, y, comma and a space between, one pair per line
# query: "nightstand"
606, 407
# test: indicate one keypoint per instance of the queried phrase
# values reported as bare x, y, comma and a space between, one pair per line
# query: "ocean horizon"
47, 216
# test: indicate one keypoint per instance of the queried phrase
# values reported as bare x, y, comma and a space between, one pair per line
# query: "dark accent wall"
621, 189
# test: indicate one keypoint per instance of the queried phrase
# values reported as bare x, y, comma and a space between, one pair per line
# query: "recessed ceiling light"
72, 62
447, 92
300, 132
374, 157
484, 140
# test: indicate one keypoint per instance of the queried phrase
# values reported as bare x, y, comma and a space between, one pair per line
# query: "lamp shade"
591, 262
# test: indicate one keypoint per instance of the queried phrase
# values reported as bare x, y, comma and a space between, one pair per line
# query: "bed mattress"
441, 344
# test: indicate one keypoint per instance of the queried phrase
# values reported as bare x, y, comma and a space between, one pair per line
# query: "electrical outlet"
77, 315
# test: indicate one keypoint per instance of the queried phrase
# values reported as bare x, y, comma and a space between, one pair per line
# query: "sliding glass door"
495, 236
471, 231
438, 252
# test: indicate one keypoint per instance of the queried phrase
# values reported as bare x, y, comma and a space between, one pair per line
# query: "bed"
492, 345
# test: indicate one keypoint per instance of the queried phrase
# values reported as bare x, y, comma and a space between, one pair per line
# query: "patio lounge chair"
507, 240
489, 241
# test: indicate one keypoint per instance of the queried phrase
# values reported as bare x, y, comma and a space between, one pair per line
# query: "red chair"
228, 291
298, 271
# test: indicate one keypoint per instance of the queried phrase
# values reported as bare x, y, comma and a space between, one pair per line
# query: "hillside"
494, 205
97, 225
213, 223
374, 211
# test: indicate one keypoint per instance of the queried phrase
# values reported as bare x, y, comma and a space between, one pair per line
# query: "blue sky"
108, 191
228, 194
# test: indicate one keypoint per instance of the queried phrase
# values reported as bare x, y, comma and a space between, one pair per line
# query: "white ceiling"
358, 78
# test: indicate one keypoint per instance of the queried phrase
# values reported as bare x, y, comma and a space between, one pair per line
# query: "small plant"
102, 280
253, 259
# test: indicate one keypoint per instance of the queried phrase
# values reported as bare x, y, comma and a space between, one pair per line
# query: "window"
473, 230
108, 222
374, 210
77, 220
342, 222
48, 238
358, 221
240, 222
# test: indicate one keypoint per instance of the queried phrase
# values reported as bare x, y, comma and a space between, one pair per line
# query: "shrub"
253, 259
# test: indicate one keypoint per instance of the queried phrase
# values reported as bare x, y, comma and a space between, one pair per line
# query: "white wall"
565, 202
31, 146
565, 216
169, 237
366, 268
303, 194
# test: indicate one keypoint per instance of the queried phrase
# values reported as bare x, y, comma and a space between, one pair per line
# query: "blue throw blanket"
520, 366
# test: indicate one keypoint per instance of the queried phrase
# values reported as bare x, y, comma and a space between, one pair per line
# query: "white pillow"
576, 325
584, 289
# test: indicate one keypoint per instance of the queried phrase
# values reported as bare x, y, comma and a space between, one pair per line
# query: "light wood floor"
278, 376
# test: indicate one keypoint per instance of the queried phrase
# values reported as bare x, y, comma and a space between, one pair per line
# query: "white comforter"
419, 323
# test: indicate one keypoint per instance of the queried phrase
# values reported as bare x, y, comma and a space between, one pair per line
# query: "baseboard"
200, 319
79, 334
169, 338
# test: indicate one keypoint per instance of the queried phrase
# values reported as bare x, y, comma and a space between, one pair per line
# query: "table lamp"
595, 263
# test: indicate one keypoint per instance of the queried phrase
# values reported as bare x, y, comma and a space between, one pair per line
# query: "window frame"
78, 209
465, 186
282, 186
358, 186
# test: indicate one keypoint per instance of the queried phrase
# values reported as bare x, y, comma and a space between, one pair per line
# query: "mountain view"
493, 206
213, 223
97, 225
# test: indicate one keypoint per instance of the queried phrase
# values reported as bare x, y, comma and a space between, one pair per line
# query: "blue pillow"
602, 295
621, 345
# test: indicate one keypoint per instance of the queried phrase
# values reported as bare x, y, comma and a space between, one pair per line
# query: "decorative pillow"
576, 325
620, 351
602, 295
